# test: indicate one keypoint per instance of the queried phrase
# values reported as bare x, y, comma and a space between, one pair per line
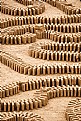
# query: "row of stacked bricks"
22, 68
76, 47
73, 110
49, 82
55, 55
65, 28
59, 37
32, 10
66, 7
32, 84
18, 39
65, 91
6, 22
9, 89
19, 116
18, 35
25, 2
41, 100
24, 104
62, 51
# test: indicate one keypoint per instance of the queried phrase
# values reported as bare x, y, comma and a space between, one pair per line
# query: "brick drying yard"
40, 60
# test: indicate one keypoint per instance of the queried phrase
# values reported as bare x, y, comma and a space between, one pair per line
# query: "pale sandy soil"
55, 109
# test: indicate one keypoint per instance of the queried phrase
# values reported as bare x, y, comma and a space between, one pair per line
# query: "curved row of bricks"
20, 67
18, 35
19, 116
15, 11
61, 37
56, 46
18, 30
64, 6
26, 2
41, 98
32, 84
59, 54
73, 111
18, 39
65, 28
15, 21
14, 35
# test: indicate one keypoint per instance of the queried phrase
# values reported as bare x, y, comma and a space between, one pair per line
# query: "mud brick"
51, 94
39, 102
7, 92
51, 36
23, 87
31, 104
48, 70
36, 54
34, 70
26, 70
64, 92
44, 55
60, 68
22, 106
33, 53
35, 104
30, 85
58, 92
11, 91
21, 69
57, 82
44, 100
55, 66
26, 105
61, 92
54, 93
23, 39
30, 71
40, 54
79, 91
0, 93
3, 93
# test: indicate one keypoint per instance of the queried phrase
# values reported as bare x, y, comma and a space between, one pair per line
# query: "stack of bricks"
41, 98
18, 39
18, 35
32, 84
25, 2
60, 37
9, 90
65, 28
56, 46
37, 51
35, 102
39, 29
6, 22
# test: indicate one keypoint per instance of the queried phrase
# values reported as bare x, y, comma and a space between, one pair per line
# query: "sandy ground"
55, 109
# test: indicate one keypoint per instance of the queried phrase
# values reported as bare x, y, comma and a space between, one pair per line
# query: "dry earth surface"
56, 108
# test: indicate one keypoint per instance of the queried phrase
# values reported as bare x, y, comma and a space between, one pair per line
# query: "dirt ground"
55, 109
